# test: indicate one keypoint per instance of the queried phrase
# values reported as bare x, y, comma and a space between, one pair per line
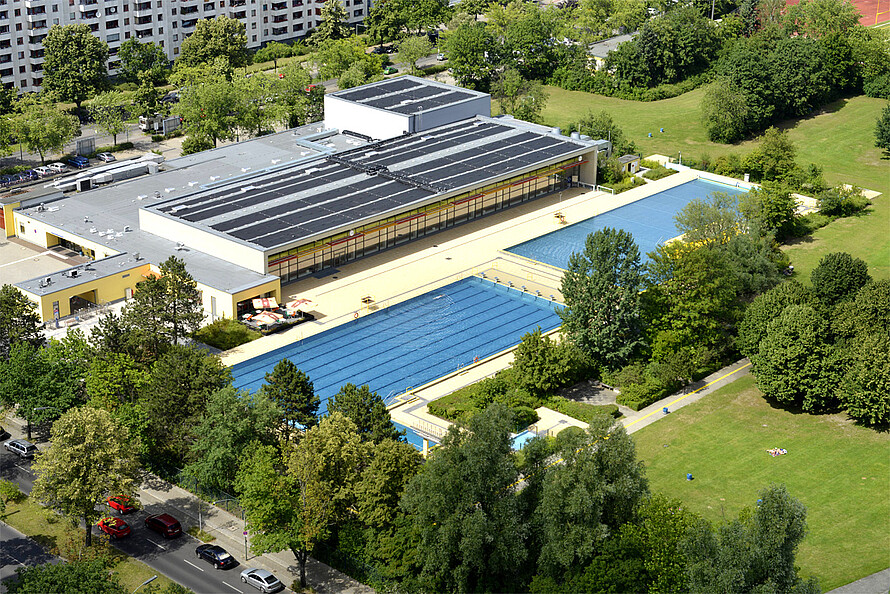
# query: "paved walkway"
876, 583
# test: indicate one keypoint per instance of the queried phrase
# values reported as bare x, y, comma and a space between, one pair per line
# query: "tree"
359, 73
385, 20
413, 49
769, 209
882, 130
596, 489
221, 37
294, 94
710, 222
164, 309
754, 553
272, 52
467, 48
335, 56
518, 97
724, 112
90, 456
367, 410
114, 379
108, 110
19, 321
799, 78
541, 366
764, 308
601, 126
146, 97
292, 391
74, 66
41, 127
232, 423
142, 61
176, 395
463, 505
297, 508
865, 391
392, 466
256, 110
208, 102
838, 277
72, 577
814, 19
773, 159
601, 289
333, 23
794, 362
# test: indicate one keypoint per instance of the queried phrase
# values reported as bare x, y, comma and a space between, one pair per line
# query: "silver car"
24, 449
261, 579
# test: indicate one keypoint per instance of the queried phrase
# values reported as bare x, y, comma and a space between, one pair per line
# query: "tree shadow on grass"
832, 107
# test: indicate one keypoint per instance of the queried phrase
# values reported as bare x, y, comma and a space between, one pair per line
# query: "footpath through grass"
53, 531
839, 138
840, 471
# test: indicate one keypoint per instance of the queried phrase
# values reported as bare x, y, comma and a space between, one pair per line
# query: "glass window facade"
371, 238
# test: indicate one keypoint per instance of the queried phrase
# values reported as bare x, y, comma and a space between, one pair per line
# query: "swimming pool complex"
411, 343
650, 221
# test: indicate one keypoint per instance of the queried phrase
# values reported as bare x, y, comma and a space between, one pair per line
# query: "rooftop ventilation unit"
71, 273
192, 184
214, 177
136, 256
41, 207
245, 169
93, 229
86, 219
180, 246
127, 228
142, 196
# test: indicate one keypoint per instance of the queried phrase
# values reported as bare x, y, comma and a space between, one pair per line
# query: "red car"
114, 527
164, 524
121, 503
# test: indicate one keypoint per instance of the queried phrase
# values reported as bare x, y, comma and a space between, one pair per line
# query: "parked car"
43, 171
121, 504
24, 449
262, 580
114, 527
106, 157
164, 524
77, 161
6, 180
57, 167
441, 57
19, 178
31, 174
390, 70
378, 49
215, 555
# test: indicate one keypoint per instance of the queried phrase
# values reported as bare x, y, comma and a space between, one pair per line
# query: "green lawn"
840, 471
840, 139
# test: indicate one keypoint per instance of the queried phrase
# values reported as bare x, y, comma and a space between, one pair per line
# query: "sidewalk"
229, 533
876, 583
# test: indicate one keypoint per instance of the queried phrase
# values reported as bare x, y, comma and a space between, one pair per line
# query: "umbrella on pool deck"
265, 303
296, 303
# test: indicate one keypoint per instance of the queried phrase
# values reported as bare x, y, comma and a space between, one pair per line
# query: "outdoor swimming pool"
411, 343
650, 221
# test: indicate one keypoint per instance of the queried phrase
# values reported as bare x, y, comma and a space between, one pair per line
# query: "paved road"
17, 550
174, 558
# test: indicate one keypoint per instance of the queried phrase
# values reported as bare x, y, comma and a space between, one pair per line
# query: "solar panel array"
405, 96
273, 209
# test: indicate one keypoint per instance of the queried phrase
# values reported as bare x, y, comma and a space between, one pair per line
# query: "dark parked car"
5, 180
164, 524
216, 556
78, 161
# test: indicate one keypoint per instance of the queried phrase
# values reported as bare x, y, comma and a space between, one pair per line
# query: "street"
175, 558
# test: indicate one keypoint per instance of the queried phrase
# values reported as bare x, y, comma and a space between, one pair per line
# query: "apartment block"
25, 23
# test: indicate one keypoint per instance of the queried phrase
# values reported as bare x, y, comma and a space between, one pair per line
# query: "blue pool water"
650, 221
523, 438
411, 343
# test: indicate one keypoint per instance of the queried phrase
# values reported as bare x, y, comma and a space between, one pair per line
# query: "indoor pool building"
393, 161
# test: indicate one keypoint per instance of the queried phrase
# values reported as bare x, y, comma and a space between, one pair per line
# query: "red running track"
872, 11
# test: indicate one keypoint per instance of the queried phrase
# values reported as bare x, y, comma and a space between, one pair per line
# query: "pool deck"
423, 265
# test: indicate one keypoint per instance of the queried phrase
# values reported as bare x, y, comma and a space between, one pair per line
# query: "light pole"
148, 581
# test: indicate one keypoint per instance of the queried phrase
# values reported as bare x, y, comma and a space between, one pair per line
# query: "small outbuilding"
629, 163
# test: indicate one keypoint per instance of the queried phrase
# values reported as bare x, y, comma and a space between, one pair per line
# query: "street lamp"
148, 581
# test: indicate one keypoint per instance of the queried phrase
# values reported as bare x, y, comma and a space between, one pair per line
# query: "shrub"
627, 184
10, 493
658, 172
841, 202
196, 144
878, 87
581, 410
838, 277
523, 416
567, 436
226, 334
157, 137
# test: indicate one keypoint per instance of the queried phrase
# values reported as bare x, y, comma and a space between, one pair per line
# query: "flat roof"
407, 95
352, 187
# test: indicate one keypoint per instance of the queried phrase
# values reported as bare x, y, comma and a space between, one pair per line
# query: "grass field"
840, 471
840, 138
51, 530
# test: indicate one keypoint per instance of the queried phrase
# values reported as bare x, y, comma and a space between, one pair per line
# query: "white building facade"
25, 23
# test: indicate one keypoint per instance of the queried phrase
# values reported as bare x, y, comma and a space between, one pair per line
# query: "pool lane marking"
669, 404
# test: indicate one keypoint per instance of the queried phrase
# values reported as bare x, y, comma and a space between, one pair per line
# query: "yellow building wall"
46, 236
226, 305
9, 219
109, 288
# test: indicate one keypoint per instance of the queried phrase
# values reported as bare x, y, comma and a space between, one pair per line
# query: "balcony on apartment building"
5, 58
189, 23
279, 18
279, 6
188, 10
142, 20
4, 29
143, 33
242, 14
279, 30
36, 39
5, 72
90, 14
209, 6
31, 11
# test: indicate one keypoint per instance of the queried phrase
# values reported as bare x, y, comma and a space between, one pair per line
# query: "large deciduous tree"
221, 37
753, 326
393, 464
72, 577
272, 52
882, 130
601, 289
462, 503
74, 67
838, 277
142, 60
367, 410
19, 321
41, 127
299, 507
109, 112
90, 456
209, 101
292, 391
724, 110
467, 48
295, 95
598, 488
333, 23
412, 49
